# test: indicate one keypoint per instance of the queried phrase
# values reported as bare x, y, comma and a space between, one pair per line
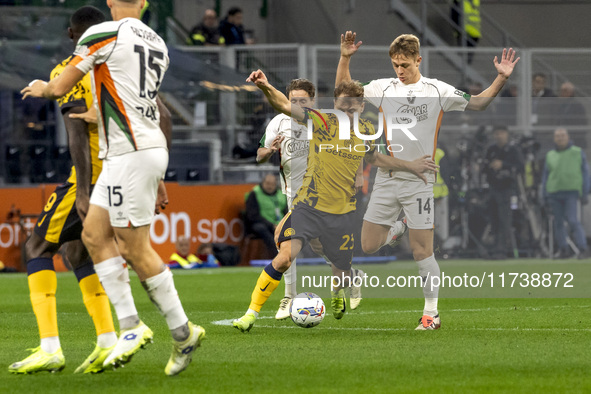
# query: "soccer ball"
307, 310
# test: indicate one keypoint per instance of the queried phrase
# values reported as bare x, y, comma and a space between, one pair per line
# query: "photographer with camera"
503, 161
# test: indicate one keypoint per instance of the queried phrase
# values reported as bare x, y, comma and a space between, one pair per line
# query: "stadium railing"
216, 107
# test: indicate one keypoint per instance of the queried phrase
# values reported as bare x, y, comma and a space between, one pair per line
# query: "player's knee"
367, 248
31, 249
90, 239
38, 247
421, 253
282, 261
138, 254
76, 254
86, 237
129, 254
369, 245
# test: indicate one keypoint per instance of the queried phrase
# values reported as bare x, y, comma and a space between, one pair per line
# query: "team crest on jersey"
411, 97
289, 232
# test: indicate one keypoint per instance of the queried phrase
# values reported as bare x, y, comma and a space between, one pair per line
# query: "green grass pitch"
484, 345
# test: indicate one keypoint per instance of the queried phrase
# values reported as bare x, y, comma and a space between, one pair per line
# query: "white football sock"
106, 340
50, 344
164, 296
428, 268
114, 277
291, 280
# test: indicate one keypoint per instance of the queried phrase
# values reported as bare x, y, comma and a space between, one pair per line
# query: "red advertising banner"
203, 213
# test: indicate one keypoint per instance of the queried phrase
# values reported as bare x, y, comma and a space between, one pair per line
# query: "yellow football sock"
265, 286
42, 286
97, 304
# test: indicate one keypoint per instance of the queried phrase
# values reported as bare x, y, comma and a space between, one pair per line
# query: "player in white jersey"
413, 106
128, 61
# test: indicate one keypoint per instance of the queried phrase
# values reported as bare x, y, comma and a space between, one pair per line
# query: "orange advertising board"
203, 213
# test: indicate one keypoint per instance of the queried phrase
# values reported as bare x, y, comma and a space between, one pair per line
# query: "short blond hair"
405, 44
349, 89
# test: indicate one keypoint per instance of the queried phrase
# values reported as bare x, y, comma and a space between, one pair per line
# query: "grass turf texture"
485, 345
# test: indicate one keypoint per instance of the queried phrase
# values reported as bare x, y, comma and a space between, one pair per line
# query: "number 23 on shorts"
349, 242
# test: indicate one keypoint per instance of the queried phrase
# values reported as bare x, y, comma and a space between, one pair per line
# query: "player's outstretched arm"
348, 49
277, 99
79, 145
504, 68
57, 87
418, 166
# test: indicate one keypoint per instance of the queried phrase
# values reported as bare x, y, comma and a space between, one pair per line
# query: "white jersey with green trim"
128, 61
419, 108
293, 152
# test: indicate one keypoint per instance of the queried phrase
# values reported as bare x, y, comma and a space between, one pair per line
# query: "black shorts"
59, 222
335, 232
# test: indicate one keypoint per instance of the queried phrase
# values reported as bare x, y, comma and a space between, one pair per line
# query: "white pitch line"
228, 322
386, 312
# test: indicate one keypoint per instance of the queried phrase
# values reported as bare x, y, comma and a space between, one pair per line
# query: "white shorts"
414, 198
128, 185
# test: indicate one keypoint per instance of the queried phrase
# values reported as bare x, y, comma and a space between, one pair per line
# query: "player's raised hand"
35, 89
348, 45
258, 78
276, 144
88, 116
422, 165
507, 64
161, 198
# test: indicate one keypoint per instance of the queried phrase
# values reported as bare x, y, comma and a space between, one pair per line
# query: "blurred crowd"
228, 31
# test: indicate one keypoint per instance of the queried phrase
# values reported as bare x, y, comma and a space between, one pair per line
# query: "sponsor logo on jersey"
421, 112
294, 146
